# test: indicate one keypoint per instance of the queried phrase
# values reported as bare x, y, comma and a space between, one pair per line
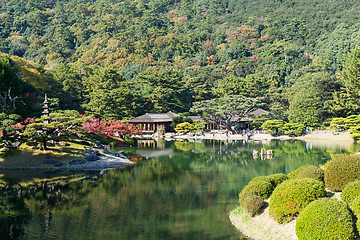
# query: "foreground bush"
260, 186
253, 205
341, 171
325, 219
293, 195
351, 191
355, 208
277, 178
308, 171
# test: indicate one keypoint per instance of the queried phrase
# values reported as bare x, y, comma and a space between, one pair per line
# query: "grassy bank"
29, 157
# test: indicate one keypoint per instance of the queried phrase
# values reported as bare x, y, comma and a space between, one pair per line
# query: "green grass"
28, 157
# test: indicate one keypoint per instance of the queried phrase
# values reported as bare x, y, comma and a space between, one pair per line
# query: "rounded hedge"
259, 186
277, 178
292, 196
341, 171
351, 191
253, 205
308, 171
325, 219
355, 208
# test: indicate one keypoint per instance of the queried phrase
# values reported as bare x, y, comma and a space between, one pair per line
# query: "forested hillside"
119, 59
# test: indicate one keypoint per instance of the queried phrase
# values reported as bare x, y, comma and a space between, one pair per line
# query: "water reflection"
183, 191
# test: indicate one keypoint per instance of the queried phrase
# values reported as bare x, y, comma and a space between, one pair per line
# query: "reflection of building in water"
150, 143
264, 154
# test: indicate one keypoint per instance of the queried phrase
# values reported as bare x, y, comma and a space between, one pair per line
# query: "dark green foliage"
325, 219
259, 187
308, 171
253, 205
350, 192
341, 171
292, 196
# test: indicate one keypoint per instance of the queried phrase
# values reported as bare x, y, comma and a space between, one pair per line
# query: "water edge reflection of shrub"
325, 219
340, 171
292, 196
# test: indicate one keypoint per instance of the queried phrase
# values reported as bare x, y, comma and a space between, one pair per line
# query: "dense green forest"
119, 59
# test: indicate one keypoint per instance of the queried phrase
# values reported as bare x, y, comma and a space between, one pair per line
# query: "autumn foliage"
109, 128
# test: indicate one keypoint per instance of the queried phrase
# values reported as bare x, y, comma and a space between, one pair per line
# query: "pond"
176, 190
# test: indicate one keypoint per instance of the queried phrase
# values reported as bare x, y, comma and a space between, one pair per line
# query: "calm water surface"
177, 190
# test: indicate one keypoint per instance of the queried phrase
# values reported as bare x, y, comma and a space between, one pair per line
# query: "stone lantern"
46, 110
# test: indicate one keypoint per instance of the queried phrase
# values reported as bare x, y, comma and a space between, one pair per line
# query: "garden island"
198, 94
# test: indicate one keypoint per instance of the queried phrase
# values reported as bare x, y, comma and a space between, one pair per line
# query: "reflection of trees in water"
42, 196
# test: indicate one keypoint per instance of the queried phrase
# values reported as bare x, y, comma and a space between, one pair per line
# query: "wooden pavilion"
152, 122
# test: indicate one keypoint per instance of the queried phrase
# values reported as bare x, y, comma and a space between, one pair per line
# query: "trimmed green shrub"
273, 127
308, 171
355, 206
341, 171
253, 205
351, 191
277, 178
259, 187
325, 219
293, 195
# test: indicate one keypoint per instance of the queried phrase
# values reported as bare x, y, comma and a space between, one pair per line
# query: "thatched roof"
154, 118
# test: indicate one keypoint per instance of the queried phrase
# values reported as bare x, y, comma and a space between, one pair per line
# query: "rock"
92, 151
91, 157
58, 164
50, 161
62, 143
77, 161
121, 155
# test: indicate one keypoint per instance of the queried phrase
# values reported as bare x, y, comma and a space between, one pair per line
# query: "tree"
347, 101
223, 111
163, 89
273, 127
10, 129
110, 128
308, 98
61, 125
108, 95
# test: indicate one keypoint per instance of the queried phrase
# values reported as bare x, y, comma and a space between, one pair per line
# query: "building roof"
154, 118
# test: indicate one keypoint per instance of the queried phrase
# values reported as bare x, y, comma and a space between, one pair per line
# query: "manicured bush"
260, 186
351, 191
308, 171
293, 195
253, 205
325, 219
277, 178
341, 171
355, 206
